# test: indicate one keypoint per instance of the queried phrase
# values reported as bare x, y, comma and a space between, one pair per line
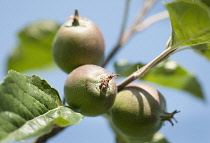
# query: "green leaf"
190, 22
207, 2
124, 68
203, 50
29, 107
157, 138
169, 74
34, 48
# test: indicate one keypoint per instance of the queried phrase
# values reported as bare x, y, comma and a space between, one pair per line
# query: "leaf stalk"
139, 73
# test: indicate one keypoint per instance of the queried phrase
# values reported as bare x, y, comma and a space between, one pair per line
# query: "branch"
139, 73
146, 7
151, 20
125, 18
45, 137
118, 45
124, 37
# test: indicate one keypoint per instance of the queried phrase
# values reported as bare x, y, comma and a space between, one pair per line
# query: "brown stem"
45, 137
146, 7
125, 18
151, 20
76, 18
119, 43
124, 37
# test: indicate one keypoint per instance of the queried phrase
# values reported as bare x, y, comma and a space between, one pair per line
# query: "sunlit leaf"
167, 73
203, 50
124, 68
29, 107
157, 138
190, 21
34, 47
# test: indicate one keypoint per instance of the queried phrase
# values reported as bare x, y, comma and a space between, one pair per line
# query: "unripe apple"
137, 110
90, 90
78, 42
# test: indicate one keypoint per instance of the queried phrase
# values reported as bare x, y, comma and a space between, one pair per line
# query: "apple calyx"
169, 117
105, 81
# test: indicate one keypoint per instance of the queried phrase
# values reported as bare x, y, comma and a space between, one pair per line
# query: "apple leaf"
167, 73
203, 50
30, 107
124, 68
190, 21
207, 2
34, 48
157, 138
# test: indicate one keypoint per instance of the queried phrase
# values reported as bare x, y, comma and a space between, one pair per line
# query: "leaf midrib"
27, 122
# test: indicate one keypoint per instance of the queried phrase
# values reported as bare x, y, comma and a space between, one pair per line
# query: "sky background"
193, 121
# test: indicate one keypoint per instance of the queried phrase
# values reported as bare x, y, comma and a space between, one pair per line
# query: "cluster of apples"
78, 49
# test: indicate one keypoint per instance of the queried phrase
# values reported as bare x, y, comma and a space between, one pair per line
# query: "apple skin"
137, 110
84, 93
76, 45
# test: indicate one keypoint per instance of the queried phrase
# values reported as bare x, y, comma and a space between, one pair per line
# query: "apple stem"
76, 18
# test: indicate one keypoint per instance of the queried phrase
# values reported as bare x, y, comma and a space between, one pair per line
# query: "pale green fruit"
137, 110
78, 44
84, 92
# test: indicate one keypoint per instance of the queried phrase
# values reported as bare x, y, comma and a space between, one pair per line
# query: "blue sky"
193, 121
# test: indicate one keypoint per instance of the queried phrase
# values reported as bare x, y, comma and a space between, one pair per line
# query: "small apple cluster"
78, 49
